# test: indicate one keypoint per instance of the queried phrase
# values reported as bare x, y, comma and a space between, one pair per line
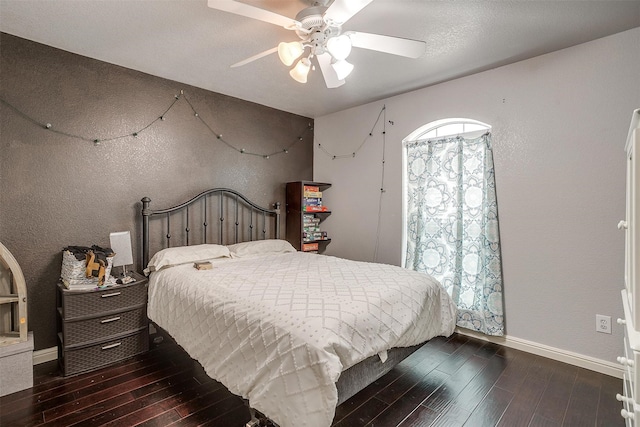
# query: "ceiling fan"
319, 29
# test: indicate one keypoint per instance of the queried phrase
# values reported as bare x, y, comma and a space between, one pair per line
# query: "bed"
294, 333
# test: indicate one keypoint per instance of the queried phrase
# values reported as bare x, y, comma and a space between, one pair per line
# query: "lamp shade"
289, 52
339, 47
121, 245
342, 68
300, 71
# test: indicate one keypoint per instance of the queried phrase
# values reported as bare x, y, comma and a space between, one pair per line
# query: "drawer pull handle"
624, 361
621, 322
113, 319
627, 415
622, 225
107, 347
115, 294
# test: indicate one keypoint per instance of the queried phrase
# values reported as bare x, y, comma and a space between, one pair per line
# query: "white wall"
559, 125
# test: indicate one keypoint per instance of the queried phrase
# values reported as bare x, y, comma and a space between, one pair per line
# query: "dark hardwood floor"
458, 381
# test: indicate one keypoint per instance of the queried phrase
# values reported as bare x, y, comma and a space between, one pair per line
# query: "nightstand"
102, 326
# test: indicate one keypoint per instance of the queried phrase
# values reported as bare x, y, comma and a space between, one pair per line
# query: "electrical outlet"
603, 324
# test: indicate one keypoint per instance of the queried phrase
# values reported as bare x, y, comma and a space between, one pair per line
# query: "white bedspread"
279, 329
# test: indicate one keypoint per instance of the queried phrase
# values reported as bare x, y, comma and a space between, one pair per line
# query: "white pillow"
184, 254
260, 247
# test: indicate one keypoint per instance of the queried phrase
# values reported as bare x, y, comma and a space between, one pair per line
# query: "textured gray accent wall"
57, 191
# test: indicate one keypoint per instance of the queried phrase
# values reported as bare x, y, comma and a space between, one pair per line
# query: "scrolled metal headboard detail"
246, 216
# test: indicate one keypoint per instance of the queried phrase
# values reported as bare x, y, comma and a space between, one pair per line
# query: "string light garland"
97, 141
382, 190
353, 154
382, 114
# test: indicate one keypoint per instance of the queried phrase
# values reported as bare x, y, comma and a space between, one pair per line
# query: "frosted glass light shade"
301, 70
289, 52
339, 47
342, 69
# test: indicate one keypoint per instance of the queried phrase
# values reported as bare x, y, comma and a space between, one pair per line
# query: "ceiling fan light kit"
342, 68
339, 47
301, 70
320, 30
289, 52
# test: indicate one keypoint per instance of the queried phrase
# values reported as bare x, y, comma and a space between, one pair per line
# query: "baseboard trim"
587, 362
45, 355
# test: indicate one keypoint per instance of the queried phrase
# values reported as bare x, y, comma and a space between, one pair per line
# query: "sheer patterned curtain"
452, 232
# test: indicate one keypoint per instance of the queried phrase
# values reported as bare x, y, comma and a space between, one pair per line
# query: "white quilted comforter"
279, 329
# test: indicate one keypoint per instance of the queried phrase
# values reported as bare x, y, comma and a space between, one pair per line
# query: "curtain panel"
452, 231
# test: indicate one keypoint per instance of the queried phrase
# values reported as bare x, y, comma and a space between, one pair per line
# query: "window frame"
420, 134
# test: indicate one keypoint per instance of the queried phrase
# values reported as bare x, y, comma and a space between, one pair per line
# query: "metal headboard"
246, 216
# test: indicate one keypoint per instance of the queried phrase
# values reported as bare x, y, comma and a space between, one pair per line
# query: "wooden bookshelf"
305, 213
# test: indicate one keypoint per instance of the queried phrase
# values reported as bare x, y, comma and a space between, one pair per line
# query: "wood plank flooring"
449, 382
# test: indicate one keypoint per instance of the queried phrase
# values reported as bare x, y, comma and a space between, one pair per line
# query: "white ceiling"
185, 41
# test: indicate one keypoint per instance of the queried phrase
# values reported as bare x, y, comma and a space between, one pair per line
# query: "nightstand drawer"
116, 298
98, 328
81, 359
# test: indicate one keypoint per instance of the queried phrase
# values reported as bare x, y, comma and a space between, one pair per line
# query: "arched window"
448, 127
451, 217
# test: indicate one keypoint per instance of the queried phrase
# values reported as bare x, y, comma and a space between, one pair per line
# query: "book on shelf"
312, 201
314, 236
315, 209
306, 247
311, 188
315, 194
314, 239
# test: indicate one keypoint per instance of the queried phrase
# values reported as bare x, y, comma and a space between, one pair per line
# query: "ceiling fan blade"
254, 57
329, 74
393, 45
249, 11
341, 11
